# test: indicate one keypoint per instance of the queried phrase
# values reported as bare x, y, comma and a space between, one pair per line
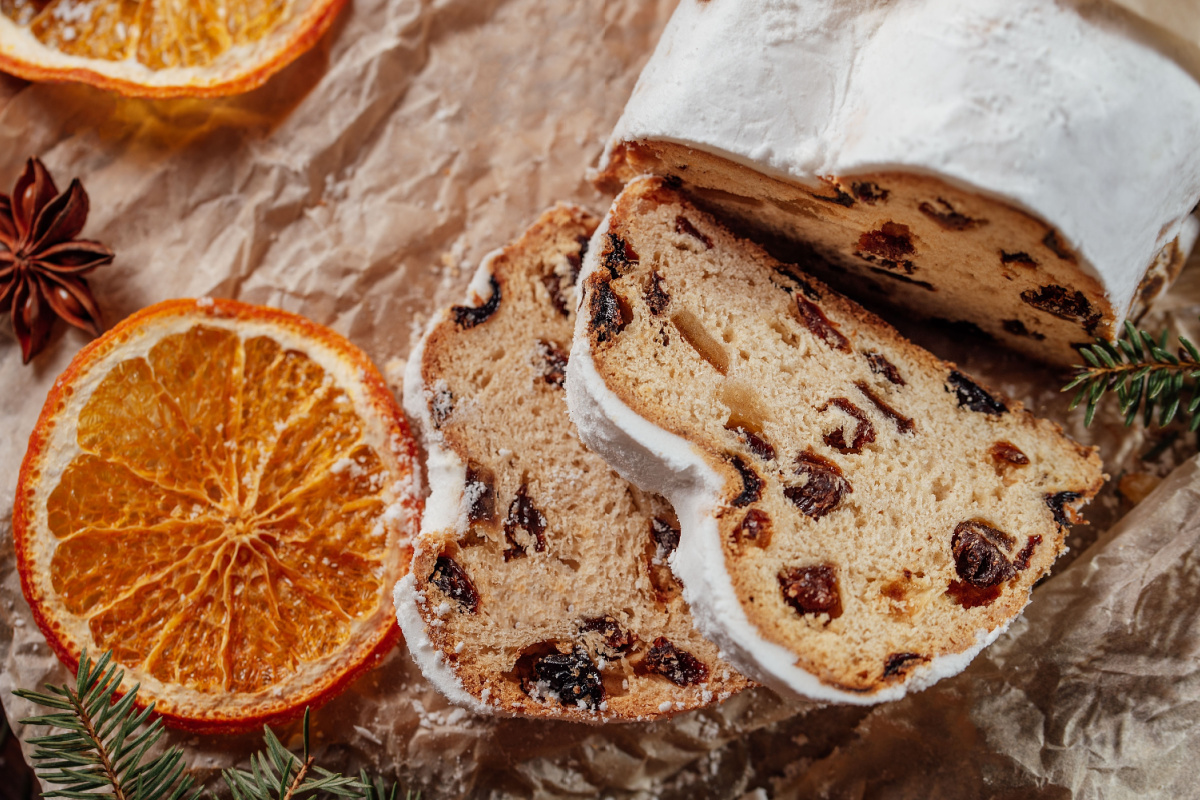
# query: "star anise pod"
42, 263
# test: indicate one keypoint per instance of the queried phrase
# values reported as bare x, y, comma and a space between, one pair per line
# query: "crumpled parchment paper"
360, 187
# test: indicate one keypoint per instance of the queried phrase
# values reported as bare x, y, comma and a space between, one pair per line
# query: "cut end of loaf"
881, 515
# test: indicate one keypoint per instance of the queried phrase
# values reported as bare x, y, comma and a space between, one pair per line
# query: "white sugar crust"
443, 509
1060, 108
659, 461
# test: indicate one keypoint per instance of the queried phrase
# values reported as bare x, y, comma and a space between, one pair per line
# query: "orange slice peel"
223, 495
156, 48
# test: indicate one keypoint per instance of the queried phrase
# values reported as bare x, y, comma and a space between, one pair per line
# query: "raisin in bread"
1017, 164
539, 584
858, 518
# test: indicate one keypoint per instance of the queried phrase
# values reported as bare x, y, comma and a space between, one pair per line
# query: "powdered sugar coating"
1059, 108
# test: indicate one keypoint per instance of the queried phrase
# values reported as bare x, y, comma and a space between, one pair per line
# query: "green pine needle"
1146, 378
102, 751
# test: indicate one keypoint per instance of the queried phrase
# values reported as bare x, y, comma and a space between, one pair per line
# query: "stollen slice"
539, 582
858, 518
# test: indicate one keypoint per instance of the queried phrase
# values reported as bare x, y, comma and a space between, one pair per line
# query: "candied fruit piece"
678, 666
454, 582
1007, 454
708, 348
811, 590
824, 485
470, 316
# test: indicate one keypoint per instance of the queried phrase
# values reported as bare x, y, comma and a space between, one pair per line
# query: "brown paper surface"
360, 188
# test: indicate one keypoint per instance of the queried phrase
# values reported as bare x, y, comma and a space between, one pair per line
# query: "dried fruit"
1017, 328
1017, 258
896, 663
708, 348
553, 284
1064, 304
948, 218
237, 558
820, 326
869, 193
42, 264
684, 226
890, 247
1021, 562
665, 535
610, 312
978, 551
1007, 453
969, 596
793, 275
823, 489
1064, 514
554, 363
758, 445
864, 431
755, 528
839, 198
479, 494
903, 424
656, 296
571, 677
1056, 246
752, 485
524, 517
618, 256
678, 666
616, 641
470, 316
971, 395
811, 590
454, 582
881, 366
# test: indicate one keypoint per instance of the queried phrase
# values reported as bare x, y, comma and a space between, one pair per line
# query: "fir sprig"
102, 751
1145, 376
104, 742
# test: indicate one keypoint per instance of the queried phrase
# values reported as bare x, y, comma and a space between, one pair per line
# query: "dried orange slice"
159, 48
223, 496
